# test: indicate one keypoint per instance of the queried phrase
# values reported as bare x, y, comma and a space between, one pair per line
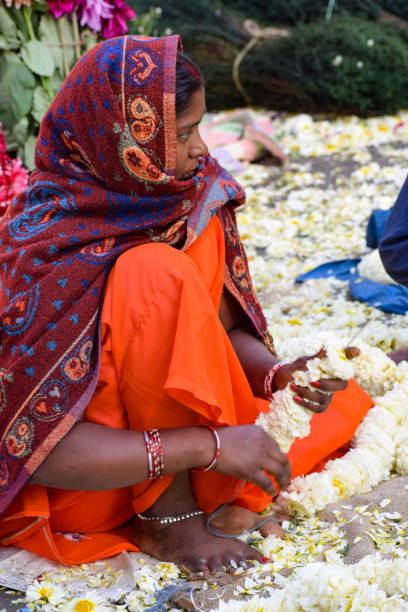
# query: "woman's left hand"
318, 400
399, 355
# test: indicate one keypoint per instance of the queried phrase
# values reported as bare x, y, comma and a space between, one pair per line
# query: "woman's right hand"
246, 451
319, 399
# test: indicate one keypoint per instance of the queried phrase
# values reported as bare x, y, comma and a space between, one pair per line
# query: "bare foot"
233, 520
188, 542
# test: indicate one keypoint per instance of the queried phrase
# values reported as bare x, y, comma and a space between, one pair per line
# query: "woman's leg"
176, 367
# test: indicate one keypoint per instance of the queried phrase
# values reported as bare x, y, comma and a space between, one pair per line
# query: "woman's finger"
308, 394
281, 472
329, 385
262, 480
314, 406
352, 351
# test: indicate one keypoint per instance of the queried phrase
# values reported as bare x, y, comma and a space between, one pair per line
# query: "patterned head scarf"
104, 183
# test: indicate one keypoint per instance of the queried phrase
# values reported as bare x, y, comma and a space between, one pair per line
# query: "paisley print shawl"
104, 183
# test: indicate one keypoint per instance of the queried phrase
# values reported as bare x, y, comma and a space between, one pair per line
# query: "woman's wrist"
211, 465
270, 378
187, 448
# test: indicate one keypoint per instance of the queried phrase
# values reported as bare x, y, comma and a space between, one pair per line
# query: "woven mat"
18, 568
390, 496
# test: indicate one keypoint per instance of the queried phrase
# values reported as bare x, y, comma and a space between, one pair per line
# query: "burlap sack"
395, 490
202, 595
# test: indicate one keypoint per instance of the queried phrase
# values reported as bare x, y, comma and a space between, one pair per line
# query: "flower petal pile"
313, 213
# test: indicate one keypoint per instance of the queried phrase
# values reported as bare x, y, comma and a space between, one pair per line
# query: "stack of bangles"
155, 460
270, 376
154, 448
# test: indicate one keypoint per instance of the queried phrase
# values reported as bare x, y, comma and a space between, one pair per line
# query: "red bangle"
155, 460
270, 375
212, 464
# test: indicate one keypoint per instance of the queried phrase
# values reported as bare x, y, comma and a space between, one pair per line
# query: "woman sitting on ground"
134, 352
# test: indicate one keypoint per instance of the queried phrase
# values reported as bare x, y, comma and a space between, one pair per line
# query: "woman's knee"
155, 260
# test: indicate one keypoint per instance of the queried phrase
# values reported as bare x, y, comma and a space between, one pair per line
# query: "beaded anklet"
165, 520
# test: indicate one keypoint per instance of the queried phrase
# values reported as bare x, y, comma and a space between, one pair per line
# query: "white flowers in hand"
286, 419
380, 443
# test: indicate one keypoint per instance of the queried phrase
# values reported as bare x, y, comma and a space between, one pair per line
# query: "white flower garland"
289, 227
372, 584
287, 420
380, 442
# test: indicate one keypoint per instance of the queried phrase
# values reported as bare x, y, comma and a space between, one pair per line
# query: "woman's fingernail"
315, 383
297, 398
266, 560
294, 387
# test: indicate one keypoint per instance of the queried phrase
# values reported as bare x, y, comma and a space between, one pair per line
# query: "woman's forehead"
194, 111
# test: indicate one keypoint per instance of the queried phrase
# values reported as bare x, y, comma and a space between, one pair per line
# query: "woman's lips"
189, 175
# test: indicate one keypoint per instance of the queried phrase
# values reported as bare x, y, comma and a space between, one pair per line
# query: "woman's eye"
184, 137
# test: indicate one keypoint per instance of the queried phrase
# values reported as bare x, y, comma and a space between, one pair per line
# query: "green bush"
397, 7
211, 37
208, 20
287, 12
292, 12
345, 65
296, 73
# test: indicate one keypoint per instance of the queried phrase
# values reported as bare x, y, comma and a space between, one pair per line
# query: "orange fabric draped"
166, 362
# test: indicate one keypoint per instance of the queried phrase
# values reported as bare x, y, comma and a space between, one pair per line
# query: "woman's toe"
272, 528
216, 565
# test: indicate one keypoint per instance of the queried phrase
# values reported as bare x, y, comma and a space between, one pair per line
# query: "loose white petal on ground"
294, 221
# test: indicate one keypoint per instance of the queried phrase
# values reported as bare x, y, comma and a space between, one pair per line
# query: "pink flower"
93, 11
13, 177
117, 25
62, 7
13, 180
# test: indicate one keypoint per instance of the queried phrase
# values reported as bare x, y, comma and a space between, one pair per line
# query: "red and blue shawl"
104, 183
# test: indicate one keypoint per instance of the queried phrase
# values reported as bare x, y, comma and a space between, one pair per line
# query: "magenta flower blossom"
62, 7
13, 176
92, 13
117, 24
13, 180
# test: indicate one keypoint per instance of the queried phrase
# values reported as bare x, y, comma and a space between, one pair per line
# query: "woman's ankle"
176, 500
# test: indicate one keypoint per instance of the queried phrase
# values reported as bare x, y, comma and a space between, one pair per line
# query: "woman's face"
190, 145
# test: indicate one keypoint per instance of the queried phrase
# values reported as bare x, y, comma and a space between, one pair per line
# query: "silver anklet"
165, 520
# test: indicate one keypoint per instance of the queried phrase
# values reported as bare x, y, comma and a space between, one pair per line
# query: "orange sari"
166, 362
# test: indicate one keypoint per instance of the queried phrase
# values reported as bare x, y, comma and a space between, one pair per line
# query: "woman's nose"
199, 147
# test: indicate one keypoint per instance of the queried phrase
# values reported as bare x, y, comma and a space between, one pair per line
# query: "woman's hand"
319, 400
399, 355
246, 450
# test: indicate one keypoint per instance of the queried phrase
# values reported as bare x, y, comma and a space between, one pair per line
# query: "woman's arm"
256, 360
253, 355
93, 457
